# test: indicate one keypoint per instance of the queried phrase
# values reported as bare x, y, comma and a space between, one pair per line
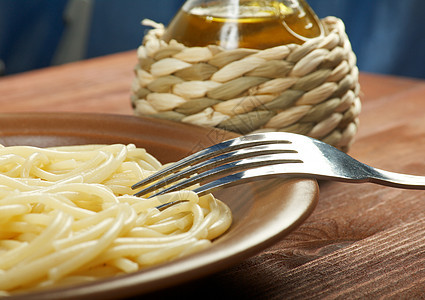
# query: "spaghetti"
67, 215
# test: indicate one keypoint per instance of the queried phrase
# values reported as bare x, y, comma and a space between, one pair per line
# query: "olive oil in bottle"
259, 24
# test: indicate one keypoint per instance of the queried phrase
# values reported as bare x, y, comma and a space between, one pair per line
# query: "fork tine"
259, 173
215, 161
217, 149
247, 163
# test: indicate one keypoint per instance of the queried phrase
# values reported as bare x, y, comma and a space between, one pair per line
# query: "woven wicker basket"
310, 89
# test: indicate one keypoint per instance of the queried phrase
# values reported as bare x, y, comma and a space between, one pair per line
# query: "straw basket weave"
310, 89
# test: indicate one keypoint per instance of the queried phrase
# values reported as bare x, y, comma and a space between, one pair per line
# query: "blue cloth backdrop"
386, 35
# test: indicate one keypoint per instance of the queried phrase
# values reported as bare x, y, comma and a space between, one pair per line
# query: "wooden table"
361, 241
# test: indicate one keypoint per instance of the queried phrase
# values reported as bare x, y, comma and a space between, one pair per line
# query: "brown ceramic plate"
264, 211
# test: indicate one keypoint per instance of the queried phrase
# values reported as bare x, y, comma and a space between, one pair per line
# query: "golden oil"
244, 24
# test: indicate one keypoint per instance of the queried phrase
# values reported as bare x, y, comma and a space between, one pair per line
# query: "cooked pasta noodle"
67, 215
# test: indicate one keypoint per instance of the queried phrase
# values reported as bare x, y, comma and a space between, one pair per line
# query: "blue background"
386, 35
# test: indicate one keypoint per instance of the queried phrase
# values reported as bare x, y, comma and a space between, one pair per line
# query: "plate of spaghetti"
70, 226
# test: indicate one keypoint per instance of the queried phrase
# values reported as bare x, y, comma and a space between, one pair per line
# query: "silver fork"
264, 155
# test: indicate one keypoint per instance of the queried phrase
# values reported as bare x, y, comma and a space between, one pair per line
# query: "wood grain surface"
362, 241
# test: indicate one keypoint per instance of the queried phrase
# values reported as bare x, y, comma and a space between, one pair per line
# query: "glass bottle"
256, 24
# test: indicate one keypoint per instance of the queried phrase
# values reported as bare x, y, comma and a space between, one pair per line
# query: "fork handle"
397, 180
